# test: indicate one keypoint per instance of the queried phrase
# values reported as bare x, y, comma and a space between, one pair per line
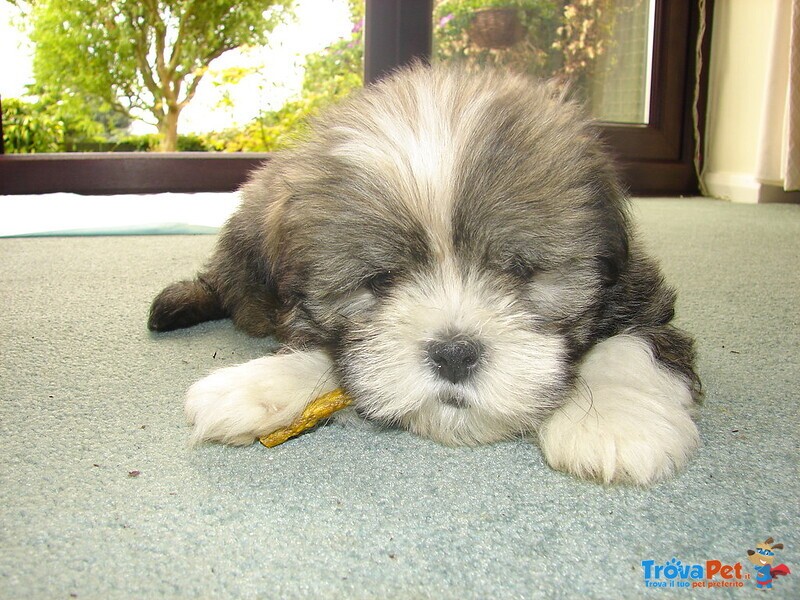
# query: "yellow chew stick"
320, 408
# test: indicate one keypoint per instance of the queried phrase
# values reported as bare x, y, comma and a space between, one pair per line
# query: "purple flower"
358, 26
446, 19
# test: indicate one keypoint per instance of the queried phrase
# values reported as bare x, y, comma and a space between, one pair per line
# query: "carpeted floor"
102, 498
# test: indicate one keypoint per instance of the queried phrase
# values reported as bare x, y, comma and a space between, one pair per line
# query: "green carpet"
102, 498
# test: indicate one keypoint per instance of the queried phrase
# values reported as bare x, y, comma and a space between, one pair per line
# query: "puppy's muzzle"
454, 359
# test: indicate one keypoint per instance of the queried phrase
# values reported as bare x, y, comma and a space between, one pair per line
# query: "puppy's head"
450, 237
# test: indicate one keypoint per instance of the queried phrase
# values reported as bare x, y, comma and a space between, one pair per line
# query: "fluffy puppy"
453, 250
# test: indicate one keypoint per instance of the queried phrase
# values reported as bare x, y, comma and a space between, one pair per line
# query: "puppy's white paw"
629, 419
237, 405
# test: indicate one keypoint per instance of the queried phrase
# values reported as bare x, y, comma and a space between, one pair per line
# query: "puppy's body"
454, 251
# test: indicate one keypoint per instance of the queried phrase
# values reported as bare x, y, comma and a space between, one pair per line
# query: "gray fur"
327, 239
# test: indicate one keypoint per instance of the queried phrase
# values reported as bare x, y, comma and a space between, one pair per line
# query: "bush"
29, 129
191, 143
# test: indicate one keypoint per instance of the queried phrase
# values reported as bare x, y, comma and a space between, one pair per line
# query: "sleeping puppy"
454, 251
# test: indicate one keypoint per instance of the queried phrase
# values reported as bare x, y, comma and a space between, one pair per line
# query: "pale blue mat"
100, 497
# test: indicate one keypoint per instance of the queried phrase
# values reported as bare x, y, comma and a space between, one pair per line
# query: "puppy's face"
452, 240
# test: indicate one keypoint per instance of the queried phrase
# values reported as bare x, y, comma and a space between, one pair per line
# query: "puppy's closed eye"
521, 269
609, 269
380, 282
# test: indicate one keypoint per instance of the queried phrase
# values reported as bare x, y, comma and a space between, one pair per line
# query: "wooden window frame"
655, 159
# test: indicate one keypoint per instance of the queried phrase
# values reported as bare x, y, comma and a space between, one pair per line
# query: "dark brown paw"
184, 304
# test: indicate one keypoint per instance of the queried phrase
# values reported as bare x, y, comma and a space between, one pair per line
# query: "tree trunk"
168, 129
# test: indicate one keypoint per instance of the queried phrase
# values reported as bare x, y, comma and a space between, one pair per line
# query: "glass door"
601, 49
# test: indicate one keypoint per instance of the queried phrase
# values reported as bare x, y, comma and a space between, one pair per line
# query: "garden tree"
330, 75
143, 56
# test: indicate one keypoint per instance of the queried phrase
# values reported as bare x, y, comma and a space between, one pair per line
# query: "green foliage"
84, 118
329, 76
191, 143
100, 63
271, 131
74, 125
54, 123
150, 141
357, 10
142, 55
136, 143
26, 129
43, 126
335, 71
227, 78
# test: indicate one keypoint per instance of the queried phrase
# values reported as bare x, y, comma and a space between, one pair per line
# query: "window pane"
230, 75
602, 47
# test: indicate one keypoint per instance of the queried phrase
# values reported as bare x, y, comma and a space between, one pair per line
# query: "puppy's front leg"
629, 418
237, 405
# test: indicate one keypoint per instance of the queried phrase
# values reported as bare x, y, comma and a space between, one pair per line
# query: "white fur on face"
516, 383
522, 370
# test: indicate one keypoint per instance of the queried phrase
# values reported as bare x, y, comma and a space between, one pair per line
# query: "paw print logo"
674, 568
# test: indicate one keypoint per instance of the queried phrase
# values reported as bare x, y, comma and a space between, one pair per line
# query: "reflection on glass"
601, 47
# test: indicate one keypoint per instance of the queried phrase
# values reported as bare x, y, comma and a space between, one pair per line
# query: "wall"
741, 45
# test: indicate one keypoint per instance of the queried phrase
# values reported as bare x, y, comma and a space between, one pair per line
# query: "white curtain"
779, 148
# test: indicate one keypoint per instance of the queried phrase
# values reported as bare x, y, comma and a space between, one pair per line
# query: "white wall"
741, 45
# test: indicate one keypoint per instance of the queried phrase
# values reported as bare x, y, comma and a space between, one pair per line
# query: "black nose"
454, 359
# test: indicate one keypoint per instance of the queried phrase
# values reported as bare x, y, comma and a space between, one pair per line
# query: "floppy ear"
777, 546
271, 212
613, 262
614, 224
